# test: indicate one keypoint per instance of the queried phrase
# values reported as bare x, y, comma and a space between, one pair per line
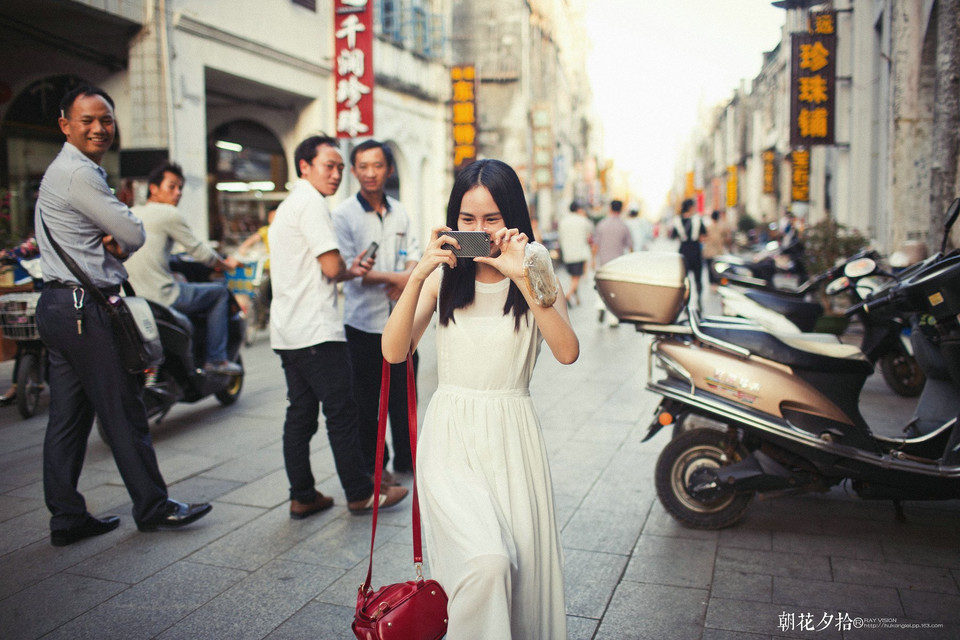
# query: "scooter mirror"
860, 268
837, 286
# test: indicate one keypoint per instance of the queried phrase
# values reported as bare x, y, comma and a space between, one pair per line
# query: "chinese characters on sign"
732, 185
813, 79
464, 115
800, 179
353, 49
769, 171
542, 147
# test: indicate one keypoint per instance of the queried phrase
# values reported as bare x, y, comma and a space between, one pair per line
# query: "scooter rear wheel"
685, 455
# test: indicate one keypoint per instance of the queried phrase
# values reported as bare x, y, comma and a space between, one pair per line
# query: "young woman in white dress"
482, 473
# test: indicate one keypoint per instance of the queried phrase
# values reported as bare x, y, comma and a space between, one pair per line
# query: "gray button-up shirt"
79, 209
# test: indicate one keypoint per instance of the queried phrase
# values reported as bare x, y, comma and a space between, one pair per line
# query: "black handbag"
134, 327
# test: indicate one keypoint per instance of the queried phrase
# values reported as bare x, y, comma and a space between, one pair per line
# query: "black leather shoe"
90, 527
176, 514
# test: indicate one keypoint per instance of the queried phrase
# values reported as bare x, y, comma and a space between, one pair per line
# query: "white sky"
653, 62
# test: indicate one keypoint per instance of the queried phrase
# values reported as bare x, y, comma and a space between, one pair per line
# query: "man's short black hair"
616, 205
307, 150
575, 206
66, 103
687, 205
366, 145
156, 176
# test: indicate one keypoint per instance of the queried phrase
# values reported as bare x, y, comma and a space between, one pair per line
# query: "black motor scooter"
784, 412
181, 378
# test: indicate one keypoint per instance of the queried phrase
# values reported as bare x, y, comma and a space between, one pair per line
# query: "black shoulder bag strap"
71, 264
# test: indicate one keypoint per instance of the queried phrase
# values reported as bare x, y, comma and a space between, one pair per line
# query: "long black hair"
458, 287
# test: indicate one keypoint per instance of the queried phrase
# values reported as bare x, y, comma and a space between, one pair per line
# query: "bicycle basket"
18, 316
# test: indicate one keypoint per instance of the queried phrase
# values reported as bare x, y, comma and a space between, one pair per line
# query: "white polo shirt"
304, 310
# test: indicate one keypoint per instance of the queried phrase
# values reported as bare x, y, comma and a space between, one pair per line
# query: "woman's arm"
417, 303
553, 321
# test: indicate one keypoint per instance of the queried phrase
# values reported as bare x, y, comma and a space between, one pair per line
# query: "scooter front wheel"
29, 384
678, 475
902, 373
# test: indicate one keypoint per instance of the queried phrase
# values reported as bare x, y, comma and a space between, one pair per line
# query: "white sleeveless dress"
484, 481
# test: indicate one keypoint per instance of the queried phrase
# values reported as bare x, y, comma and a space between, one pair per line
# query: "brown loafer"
300, 510
389, 496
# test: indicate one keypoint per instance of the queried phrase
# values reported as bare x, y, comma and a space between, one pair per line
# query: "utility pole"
946, 118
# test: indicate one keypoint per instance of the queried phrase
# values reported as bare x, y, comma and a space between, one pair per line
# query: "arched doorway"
247, 172
30, 139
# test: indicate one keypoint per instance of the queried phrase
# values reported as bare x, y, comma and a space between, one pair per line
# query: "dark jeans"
693, 261
86, 378
213, 299
366, 359
321, 375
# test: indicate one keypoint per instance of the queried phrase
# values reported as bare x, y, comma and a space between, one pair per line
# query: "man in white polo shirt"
307, 333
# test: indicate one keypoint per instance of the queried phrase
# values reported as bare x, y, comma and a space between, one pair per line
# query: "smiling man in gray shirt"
86, 376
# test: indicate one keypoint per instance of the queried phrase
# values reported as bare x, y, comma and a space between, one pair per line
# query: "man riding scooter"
150, 272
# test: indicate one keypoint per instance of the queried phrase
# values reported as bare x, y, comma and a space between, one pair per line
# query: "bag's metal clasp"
419, 567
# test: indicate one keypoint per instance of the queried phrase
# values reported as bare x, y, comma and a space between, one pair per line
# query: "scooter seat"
790, 306
172, 316
792, 350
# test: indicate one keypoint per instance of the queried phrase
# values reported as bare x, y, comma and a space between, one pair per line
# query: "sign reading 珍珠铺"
812, 83
353, 62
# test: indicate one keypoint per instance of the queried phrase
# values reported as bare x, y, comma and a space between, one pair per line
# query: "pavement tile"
262, 540
856, 600
581, 628
774, 563
851, 546
672, 561
392, 563
140, 555
737, 585
13, 506
148, 608
924, 606
721, 634
891, 574
316, 620
660, 523
265, 598
343, 543
589, 578
603, 530
746, 537
50, 603
267, 492
638, 612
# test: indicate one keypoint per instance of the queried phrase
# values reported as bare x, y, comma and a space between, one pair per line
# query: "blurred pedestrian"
641, 231
613, 239
575, 235
373, 216
307, 333
482, 476
718, 240
77, 210
688, 228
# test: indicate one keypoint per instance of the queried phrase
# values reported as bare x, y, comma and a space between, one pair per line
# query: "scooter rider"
152, 278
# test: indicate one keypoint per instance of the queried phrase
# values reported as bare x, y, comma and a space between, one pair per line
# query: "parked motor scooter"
181, 377
886, 340
787, 408
18, 322
759, 271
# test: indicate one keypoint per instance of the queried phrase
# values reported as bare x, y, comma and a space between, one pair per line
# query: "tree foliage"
828, 241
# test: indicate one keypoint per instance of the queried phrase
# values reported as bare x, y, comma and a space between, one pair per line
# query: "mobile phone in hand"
371, 251
473, 244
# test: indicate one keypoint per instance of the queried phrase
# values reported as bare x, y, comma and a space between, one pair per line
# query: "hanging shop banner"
800, 176
464, 102
353, 51
812, 88
770, 171
732, 185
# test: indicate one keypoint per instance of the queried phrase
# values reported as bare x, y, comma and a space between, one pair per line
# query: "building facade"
226, 88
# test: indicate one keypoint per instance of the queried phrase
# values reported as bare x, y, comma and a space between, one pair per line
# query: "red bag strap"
378, 468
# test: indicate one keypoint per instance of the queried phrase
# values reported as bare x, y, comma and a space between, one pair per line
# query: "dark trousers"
86, 378
693, 261
321, 375
366, 358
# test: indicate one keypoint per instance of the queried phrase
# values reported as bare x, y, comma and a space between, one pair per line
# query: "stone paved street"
248, 571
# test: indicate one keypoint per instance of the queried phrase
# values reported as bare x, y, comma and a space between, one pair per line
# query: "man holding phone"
372, 219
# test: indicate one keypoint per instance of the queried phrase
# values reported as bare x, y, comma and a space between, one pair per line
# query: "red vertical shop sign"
353, 45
